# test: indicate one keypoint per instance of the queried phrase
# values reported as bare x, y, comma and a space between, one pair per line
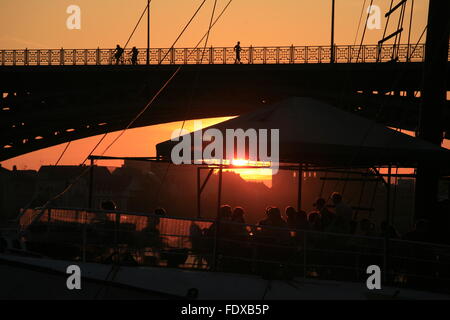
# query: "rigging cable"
191, 96
134, 119
62, 153
129, 38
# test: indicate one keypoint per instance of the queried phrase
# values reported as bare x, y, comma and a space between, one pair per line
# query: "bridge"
53, 96
221, 55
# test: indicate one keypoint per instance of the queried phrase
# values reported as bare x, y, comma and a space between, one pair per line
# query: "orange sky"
104, 23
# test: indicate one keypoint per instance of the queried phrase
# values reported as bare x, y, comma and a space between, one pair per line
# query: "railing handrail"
217, 47
216, 55
254, 226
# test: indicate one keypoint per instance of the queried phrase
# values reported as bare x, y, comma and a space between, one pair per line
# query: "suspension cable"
182, 31
359, 22
137, 24
364, 31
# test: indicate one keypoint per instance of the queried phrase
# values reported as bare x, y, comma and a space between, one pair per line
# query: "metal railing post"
61, 57
116, 235
26, 56
84, 238
216, 231
91, 185
292, 54
211, 55
48, 222
97, 56
304, 254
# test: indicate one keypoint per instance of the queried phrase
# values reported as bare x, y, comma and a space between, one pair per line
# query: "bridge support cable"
409, 31
146, 9
182, 31
397, 33
380, 46
161, 89
359, 21
364, 32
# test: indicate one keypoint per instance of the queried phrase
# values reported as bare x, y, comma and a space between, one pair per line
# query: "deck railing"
139, 239
215, 55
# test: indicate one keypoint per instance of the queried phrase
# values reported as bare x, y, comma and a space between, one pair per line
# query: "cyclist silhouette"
118, 53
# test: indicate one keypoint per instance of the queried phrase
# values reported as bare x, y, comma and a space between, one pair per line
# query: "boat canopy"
317, 133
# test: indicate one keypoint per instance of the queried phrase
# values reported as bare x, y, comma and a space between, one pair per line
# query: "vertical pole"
148, 32
91, 184
299, 189
304, 252
216, 232
408, 51
198, 194
49, 220
431, 125
332, 33
388, 213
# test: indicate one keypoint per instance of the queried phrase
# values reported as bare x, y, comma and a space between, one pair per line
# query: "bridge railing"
214, 55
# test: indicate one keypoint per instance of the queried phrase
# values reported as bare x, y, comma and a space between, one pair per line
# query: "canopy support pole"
388, 213
91, 184
299, 189
198, 193
216, 229
201, 188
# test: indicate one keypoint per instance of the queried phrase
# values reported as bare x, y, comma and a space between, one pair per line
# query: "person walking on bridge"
134, 56
118, 53
237, 49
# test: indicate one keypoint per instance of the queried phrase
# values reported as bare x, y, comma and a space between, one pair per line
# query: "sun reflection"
261, 173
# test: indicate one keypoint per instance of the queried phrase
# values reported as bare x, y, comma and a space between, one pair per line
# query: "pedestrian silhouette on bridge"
237, 49
118, 53
134, 56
